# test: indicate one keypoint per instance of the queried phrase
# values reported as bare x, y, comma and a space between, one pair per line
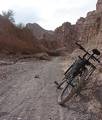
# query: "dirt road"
28, 92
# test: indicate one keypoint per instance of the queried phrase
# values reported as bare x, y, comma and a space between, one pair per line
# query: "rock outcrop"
66, 35
39, 32
34, 38
90, 28
99, 6
45, 37
86, 30
62, 37
14, 40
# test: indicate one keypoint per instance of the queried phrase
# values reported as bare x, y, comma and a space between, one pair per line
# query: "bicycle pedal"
56, 83
58, 87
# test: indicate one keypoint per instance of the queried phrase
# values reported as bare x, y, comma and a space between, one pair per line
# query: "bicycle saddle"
96, 51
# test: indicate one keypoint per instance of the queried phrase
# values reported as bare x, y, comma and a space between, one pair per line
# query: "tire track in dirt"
26, 97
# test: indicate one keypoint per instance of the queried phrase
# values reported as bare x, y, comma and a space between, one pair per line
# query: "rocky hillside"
15, 40
33, 38
38, 31
86, 30
62, 37
67, 36
49, 39
91, 27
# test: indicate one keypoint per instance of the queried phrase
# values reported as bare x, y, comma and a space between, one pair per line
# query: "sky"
48, 13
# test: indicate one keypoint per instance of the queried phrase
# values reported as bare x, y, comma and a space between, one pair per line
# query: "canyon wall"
33, 38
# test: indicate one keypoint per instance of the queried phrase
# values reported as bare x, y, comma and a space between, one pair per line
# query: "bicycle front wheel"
69, 91
66, 94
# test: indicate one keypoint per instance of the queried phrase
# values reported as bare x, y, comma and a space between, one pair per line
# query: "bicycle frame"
77, 75
68, 74
90, 71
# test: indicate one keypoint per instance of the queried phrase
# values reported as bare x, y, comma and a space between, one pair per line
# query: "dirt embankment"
28, 92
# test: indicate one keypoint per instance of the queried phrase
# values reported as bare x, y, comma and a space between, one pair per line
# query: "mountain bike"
77, 74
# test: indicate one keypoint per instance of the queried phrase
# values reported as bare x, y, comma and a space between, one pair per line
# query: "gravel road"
28, 92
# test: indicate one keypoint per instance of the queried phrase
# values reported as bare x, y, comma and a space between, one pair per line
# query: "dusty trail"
24, 97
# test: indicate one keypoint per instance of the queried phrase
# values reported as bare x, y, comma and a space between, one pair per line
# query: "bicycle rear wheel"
69, 91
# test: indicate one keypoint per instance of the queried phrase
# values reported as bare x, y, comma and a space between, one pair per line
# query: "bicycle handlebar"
94, 58
82, 48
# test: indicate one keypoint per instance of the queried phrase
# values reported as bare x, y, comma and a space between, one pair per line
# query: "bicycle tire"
72, 90
62, 82
66, 77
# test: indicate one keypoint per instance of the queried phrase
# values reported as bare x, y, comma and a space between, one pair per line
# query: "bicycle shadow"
82, 103
78, 104
3, 114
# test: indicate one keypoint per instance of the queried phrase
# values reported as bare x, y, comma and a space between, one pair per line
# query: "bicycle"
77, 74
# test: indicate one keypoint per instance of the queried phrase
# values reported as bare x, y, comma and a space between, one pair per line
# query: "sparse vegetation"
20, 25
9, 15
